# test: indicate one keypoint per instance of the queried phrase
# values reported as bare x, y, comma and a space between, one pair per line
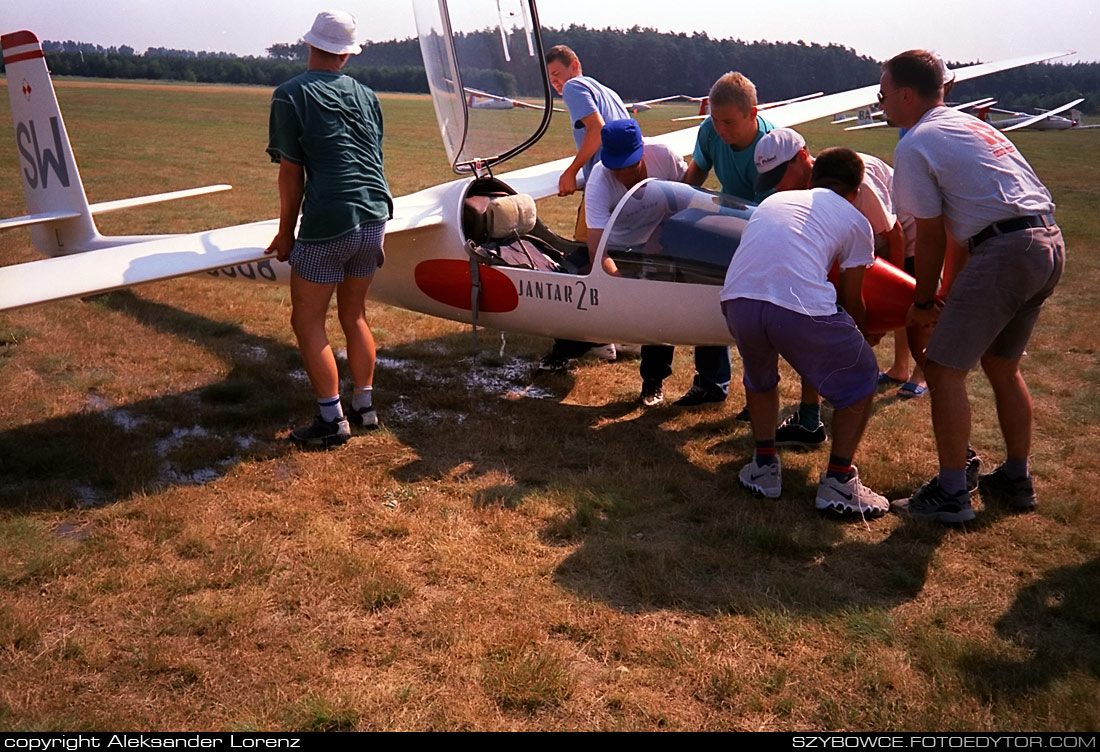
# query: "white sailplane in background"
867, 117
1046, 120
454, 250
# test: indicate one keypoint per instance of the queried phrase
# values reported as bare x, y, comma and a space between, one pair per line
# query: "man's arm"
292, 185
595, 234
593, 123
695, 175
849, 293
931, 245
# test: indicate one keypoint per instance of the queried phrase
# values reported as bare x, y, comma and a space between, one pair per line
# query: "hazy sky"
963, 30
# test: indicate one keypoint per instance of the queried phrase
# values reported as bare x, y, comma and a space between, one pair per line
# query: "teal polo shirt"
332, 125
735, 169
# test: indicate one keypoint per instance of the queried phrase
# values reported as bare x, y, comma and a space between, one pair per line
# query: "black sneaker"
791, 433
931, 503
743, 416
322, 433
365, 418
697, 395
973, 468
653, 395
555, 363
1015, 494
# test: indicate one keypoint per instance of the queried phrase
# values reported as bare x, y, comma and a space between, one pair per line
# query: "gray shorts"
827, 351
995, 301
357, 254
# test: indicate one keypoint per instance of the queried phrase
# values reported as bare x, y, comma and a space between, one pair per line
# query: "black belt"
1012, 225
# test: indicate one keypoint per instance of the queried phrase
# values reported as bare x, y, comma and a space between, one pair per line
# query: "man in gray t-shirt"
954, 173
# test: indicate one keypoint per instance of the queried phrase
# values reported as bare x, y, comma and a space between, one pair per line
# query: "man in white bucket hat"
326, 135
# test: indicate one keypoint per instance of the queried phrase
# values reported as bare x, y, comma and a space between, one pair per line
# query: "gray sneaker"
322, 433
765, 480
931, 502
851, 497
1018, 494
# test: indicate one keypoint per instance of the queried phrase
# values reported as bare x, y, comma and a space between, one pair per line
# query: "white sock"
330, 408
361, 398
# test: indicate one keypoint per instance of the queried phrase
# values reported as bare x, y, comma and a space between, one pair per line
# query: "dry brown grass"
490, 560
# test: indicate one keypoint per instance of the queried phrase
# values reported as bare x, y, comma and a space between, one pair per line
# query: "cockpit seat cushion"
702, 236
509, 216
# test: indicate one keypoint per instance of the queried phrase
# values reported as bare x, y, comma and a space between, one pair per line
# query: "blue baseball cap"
622, 144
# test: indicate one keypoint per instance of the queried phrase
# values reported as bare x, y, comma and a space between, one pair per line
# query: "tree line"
639, 63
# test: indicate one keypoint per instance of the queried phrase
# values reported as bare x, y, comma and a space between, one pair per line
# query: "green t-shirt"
332, 125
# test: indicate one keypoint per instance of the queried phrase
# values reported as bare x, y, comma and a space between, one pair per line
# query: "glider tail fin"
59, 216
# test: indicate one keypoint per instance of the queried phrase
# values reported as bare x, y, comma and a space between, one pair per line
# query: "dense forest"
639, 63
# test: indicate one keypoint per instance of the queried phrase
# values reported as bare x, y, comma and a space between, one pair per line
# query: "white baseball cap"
774, 151
333, 31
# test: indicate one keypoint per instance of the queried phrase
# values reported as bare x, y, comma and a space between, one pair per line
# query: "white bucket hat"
333, 31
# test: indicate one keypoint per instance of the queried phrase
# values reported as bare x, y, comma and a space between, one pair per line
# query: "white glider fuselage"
428, 266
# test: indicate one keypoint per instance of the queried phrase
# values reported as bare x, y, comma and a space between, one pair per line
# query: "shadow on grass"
110, 452
649, 499
1056, 620
652, 526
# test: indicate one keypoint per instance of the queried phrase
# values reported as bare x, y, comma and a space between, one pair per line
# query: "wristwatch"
925, 306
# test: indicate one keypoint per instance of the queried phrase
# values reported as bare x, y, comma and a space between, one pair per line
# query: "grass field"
509, 552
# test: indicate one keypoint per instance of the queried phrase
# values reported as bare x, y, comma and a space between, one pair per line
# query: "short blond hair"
733, 89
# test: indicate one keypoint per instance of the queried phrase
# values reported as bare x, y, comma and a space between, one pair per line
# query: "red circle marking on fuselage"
448, 281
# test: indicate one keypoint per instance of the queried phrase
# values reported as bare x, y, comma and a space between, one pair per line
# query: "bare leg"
764, 411
310, 302
950, 413
848, 426
351, 298
1014, 408
899, 370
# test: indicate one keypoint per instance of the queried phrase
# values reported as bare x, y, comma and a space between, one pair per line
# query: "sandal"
909, 390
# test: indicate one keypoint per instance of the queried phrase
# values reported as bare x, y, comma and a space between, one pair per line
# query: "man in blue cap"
627, 159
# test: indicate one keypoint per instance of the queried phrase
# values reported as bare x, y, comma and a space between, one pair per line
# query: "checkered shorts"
357, 254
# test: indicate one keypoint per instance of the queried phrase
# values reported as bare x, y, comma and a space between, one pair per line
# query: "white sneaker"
850, 498
603, 352
765, 480
632, 350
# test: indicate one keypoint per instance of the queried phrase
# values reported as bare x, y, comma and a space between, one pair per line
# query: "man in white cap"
326, 135
784, 164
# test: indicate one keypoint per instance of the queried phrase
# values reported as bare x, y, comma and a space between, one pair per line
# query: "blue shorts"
827, 351
355, 254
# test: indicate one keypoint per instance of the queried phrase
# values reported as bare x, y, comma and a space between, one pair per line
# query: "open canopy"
475, 49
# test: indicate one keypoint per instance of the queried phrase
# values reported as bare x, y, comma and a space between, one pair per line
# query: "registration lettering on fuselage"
578, 294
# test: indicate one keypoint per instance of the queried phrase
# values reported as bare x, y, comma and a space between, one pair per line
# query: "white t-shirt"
603, 192
955, 165
789, 246
874, 200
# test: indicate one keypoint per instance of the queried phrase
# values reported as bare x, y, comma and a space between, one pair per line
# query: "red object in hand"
887, 295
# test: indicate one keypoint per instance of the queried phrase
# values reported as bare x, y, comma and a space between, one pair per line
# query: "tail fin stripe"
17, 38
8, 60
